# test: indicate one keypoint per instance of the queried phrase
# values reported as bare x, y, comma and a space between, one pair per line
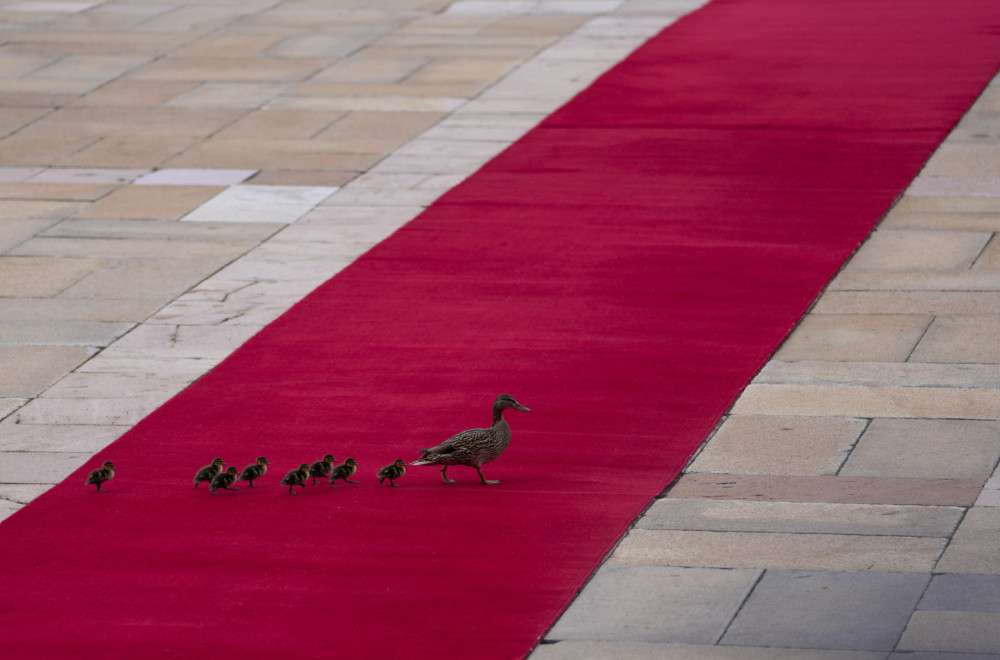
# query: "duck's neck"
498, 416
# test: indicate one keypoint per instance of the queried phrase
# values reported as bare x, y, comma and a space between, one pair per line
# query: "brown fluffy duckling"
392, 472
296, 477
344, 471
475, 446
209, 471
224, 480
321, 469
100, 475
254, 471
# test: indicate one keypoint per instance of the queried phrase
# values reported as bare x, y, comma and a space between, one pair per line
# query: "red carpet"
623, 271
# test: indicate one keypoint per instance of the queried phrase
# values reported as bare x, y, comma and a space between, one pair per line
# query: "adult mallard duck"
475, 446
209, 471
321, 469
104, 473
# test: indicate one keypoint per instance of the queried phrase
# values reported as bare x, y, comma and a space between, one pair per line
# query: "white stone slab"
929, 186
195, 177
281, 204
86, 175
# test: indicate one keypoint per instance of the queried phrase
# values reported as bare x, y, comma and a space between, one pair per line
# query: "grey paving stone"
81, 439
801, 517
655, 604
27, 370
942, 655
961, 632
974, 548
900, 374
827, 610
78, 309
65, 333
585, 650
939, 448
965, 593
38, 467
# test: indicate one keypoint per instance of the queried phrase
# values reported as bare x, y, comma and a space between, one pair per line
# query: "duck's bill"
518, 406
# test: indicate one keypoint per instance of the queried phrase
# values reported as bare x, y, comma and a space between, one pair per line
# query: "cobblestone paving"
175, 175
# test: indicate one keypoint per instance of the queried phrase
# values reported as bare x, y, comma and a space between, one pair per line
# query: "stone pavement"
174, 175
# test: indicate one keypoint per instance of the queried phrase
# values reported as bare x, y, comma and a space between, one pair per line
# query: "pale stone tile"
43, 275
229, 95
261, 153
371, 69
195, 177
867, 402
67, 309
86, 175
899, 374
778, 445
272, 123
91, 67
939, 220
86, 439
369, 103
17, 174
828, 489
32, 209
14, 231
9, 405
65, 333
159, 278
129, 151
39, 467
990, 496
972, 161
60, 7
151, 202
928, 186
27, 370
463, 148
125, 412
801, 518
21, 493
969, 339
601, 650
955, 449
127, 247
826, 552
282, 204
246, 234
170, 341
946, 204
909, 302
655, 604
854, 337
974, 547
902, 249
964, 632
916, 280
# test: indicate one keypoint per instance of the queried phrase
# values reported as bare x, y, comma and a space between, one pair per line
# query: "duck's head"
329, 459
262, 461
218, 462
304, 467
400, 463
505, 401
232, 471
108, 465
350, 461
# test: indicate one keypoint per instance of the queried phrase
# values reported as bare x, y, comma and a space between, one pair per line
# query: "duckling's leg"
444, 475
482, 478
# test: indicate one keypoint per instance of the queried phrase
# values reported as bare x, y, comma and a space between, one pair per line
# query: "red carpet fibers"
623, 271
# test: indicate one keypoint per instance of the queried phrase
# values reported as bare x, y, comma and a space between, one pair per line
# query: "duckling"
255, 471
296, 477
209, 471
321, 469
100, 475
475, 446
344, 471
224, 480
392, 472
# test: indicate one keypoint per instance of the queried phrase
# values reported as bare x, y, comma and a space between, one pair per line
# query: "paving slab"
194, 177
593, 650
801, 518
990, 495
974, 547
29, 467
901, 374
854, 337
868, 402
655, 604
961, 632
87, 439
168, 202
970, 221
968, 339
25, 371
829, 610
86, 309
753, 444
272, 204
820, 552
40, 276
955, 449
831, 489
66, 333
962, 593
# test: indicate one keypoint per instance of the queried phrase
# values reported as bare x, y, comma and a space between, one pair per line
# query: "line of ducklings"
325, 468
